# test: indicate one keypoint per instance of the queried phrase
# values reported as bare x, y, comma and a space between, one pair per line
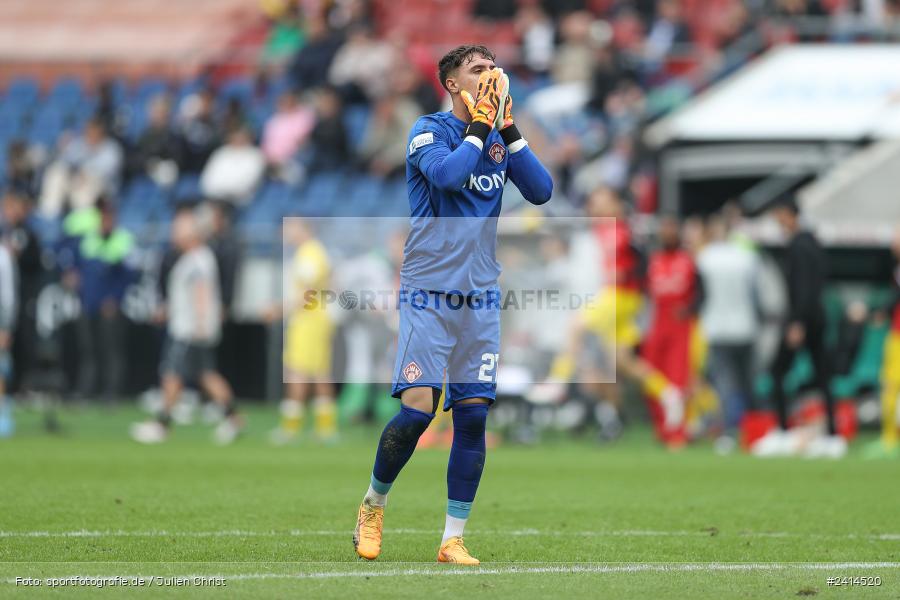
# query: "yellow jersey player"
308, 338
888, 445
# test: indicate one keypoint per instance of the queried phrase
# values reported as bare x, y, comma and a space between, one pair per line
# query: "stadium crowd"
338, 85
333, 97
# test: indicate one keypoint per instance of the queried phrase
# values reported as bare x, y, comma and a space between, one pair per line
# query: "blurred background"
682, 120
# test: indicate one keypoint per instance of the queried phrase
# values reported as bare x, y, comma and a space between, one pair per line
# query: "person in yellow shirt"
308, 337
612, 318
888, 445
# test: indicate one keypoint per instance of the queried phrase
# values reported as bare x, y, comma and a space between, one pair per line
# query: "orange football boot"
367, 535
454, 551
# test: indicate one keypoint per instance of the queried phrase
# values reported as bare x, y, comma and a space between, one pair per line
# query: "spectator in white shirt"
88, 166
730, 319
234, 170
362, 67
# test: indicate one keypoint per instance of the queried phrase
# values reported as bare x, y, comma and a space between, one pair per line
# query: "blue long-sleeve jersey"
455, 190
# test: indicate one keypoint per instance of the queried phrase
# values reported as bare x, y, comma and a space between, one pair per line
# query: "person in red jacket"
674, 292
612, 319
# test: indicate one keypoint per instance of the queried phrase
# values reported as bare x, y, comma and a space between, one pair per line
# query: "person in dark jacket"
309, 68
157, 152
331, 149
805, 272
198, 131
25, 247
100, 273
224, 243
21, 168
226, 247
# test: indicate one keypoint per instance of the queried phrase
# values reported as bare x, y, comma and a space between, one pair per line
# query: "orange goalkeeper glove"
493, 89
504, 114
504, 121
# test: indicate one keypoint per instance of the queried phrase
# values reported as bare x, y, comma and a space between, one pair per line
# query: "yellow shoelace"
458, 542
371, 524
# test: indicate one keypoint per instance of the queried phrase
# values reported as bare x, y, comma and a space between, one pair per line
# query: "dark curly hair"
458, 57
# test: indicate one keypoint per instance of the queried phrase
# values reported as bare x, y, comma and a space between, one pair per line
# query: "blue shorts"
446, 337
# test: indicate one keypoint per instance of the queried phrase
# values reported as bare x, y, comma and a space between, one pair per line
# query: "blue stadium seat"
9, 107
236, 88
136, 112
268, 204
142, 204
275, 87
186, 188
291, 202
356, 120
130, 216
3, 151
149, 87
47, 124
67, 92
86, 109
161, 210
71, 112
22, 91
191, 86
49, 231
11, 121
258, 115
322, 194
363, 197
119, 91
394, 201
262, 216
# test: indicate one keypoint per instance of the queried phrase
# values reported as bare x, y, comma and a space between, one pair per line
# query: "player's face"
295, 232
183, 228
93, 133
107, 222
716, 229
9, 211
466, 76
785, 218
604, 203
670, 234
13, 210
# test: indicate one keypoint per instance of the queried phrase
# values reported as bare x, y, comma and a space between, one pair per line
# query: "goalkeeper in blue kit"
449, 302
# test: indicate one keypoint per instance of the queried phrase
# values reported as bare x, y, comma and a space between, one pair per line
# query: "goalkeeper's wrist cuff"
477, 133
513, 139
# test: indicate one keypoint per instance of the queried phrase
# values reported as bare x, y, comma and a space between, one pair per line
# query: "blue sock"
397, 443
466, 458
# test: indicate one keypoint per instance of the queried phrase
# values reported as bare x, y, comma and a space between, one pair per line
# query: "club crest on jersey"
412, 372
497, 152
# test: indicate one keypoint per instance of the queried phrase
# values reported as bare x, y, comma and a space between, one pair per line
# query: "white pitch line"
576, 569
445, 571
85, 533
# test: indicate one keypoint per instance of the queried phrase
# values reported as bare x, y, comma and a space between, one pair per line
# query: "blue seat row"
24, 114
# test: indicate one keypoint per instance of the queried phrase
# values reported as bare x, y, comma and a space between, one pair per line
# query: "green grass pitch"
566, 519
